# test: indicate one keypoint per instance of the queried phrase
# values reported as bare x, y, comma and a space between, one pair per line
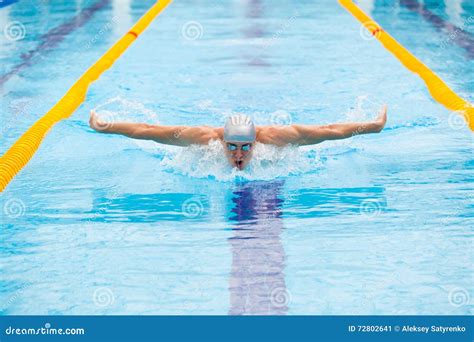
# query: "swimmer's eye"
246, 147
231, 147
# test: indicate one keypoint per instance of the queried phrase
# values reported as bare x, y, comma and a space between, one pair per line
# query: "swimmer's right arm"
170, 135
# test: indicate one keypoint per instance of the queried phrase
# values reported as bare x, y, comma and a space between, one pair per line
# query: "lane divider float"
25, 147
438, 89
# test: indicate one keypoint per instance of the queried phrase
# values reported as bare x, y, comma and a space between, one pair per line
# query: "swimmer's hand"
381, 119
97, 124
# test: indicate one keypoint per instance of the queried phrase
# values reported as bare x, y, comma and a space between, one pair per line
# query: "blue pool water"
376, 224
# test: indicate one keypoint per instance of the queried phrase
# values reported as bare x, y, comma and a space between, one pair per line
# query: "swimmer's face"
238, 153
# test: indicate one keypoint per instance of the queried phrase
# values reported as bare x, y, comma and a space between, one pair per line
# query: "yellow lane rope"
436, 86
25, 147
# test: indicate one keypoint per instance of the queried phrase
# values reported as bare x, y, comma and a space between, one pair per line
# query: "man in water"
239, 134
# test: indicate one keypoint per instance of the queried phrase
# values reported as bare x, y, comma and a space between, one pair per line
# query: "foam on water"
120, 109
268, 162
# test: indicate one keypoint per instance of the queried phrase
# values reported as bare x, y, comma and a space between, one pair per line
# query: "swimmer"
239, 134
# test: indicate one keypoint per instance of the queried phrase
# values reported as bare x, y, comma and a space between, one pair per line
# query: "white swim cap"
239, 128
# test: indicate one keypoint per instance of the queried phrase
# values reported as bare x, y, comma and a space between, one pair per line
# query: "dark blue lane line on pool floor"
455, 34
54, 36
5, 3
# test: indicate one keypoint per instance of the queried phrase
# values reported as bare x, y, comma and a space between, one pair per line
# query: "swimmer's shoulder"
265, 134
272, 135
213, 133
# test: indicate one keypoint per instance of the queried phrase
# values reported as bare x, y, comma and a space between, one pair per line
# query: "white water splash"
364, 109
268, 162
120, 109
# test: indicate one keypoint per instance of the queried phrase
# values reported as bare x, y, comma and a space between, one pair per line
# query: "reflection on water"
51, 39
333, 202
456, 34
257, 283
254, 30
141, 208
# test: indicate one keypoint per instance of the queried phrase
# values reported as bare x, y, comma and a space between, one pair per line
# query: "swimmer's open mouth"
239, 164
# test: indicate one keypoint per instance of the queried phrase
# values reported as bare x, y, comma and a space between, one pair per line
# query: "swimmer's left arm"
313, 134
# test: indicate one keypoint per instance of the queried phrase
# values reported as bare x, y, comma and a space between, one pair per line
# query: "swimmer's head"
239, 128
239, 139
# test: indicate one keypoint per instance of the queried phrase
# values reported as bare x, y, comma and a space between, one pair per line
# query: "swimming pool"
96, 224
